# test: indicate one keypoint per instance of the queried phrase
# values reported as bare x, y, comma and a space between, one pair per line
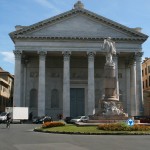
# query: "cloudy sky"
131, 13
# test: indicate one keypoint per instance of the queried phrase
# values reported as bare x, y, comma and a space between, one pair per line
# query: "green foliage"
74, 129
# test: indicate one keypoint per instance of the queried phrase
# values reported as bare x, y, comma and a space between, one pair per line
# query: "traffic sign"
130, 122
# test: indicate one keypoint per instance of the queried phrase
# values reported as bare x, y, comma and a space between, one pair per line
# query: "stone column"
25, 63
139, 83
91, 84
133, 88
17, 80
128, 102
66, 84
115, 58
22, 83
41, 86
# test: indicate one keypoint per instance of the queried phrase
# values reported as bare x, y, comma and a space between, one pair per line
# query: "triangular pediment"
77, 23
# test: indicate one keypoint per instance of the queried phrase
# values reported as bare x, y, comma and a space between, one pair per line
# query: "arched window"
33, 98
54, 98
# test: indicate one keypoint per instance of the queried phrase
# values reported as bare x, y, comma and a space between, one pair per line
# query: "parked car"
143, 119
79, 119
47, 119
41, 119
68, 119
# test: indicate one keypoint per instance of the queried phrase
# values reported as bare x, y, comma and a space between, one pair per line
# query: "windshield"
3, 114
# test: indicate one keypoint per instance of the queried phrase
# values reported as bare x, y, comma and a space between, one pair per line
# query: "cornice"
78, 38
20, 33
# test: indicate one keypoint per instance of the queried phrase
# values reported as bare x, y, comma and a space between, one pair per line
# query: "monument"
110, 105
111, 108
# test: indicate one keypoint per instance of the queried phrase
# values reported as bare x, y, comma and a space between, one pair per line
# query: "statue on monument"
109, 47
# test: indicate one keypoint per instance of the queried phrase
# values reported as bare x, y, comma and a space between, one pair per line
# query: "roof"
4, 82
1, 70
5, 72
21, 34
147, 59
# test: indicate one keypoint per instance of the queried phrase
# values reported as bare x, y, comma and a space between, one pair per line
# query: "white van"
18, 114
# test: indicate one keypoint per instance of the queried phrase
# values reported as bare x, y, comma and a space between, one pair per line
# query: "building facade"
6, 89
146, 85
59, 64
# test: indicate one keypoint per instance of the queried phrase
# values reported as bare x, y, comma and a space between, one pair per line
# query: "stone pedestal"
110, 105
110, 83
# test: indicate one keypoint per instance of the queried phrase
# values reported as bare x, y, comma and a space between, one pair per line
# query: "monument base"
111, 112
111, 108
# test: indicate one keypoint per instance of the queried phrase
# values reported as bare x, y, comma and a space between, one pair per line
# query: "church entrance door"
77, 102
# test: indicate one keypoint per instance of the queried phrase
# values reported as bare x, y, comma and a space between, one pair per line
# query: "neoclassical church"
59, 64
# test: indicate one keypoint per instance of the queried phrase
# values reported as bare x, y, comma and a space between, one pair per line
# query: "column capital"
66, 55
138, 56
132, 60
42, 54
17, 54
91, 55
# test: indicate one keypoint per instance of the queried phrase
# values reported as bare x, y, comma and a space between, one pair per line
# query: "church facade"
59, 64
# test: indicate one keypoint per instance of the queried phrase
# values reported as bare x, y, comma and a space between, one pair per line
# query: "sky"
131, 13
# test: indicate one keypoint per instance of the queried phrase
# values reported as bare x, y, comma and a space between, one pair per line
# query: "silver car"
79, 119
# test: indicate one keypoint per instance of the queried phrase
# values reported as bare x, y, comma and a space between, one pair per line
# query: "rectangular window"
146, 83
149, 80
142, 73
143, 84
148, 69
145, 71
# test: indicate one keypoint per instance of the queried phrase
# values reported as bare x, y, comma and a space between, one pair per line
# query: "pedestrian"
60, 116
8, 120
30, 116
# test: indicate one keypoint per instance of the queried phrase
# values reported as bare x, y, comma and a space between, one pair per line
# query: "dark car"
143, 119
41, 119
67, 119
47, 119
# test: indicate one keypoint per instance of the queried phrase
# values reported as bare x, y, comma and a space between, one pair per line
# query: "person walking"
8, 120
